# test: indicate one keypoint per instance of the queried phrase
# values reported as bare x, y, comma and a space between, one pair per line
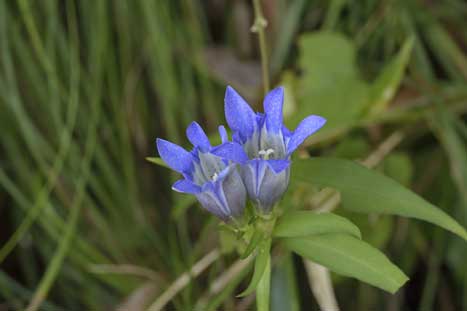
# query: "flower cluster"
256, 162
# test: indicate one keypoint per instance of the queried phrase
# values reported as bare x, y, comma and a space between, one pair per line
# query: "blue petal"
186, 186
278, 166
231, 151
175, 156
273, 103
238, 113
197, 136
223, 134
286, 133
308, 126
236, 138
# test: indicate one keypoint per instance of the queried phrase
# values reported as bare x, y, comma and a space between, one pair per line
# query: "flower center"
265, 154
208, 168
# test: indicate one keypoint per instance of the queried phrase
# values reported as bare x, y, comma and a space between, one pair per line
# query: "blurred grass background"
87, 86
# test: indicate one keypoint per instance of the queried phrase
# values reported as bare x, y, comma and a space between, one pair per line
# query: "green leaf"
264, 287
364, 190
258, 235
398, 166
352, 147
261, 262
351, 257
377, 229
387, 83
284, 289
305, 223
331, 85
157, 161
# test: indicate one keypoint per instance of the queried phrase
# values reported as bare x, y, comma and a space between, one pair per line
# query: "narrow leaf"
304, 223
264, 287
261, 262
364, 190
387, 83
284, 287
258, 235
157, 161
351, 257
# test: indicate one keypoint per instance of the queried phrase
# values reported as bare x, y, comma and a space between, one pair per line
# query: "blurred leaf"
349, 256
284, 291
333, 12
261, 263
330, 85
443, 123
444, 48
214, 302
305, 223
227, 240
366, 191
264, 287
288, 81
399, 167
289, 26
351, 148
387, 83
181, 204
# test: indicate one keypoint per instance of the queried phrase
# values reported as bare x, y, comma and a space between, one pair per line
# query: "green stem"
258, 26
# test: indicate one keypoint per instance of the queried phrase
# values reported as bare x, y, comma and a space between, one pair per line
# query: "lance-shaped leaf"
367, 191
157, 161
264, 288
256, 238
349, 256
305, 223
261, 263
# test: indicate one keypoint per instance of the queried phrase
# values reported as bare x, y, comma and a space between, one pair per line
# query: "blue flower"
214, 181
267, 144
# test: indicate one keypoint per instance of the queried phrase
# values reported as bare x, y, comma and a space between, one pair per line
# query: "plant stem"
258, 26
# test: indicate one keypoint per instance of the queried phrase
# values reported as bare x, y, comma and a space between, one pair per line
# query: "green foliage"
305, 223
349, 256
262, 267
284, 289
363, 190
86, 87
386, 84
264, 288
331, 85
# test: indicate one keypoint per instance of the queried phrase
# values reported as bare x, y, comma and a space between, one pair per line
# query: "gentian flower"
267, 144
214, 181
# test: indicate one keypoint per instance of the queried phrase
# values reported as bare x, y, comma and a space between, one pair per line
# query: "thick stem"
258, 26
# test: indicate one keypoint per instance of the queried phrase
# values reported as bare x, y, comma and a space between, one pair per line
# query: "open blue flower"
267, 144
215, 181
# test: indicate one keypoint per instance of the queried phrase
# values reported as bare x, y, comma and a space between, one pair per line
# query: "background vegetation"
87, 86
